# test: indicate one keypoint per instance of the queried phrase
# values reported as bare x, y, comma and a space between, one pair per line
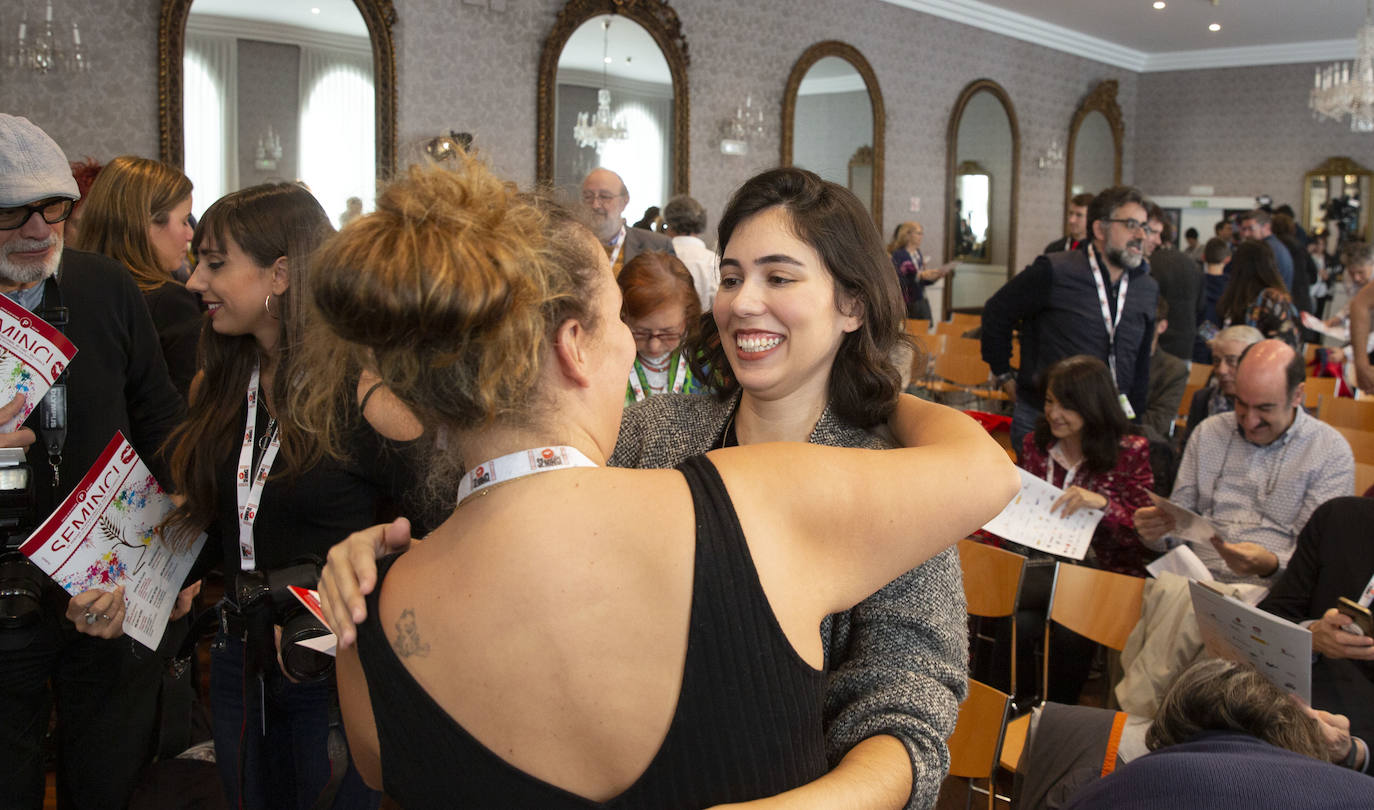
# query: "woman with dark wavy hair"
1084, 445
1256, 296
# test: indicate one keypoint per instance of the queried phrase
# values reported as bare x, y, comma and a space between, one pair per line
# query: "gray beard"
1122, 259
25, 274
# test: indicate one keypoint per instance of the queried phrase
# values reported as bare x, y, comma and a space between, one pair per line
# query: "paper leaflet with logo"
32, 356
104, 534
1027, 520
1231, 629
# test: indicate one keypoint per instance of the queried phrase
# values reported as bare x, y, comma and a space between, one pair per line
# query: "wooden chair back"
1187, 402
952, 328
1199, 374
1315, 389
961, 368
1364, 477
966, 320
992, 578
1346, 412
977, 737
1101, 605
917, 326
1361, 445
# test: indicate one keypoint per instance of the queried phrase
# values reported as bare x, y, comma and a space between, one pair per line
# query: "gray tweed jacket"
898, 661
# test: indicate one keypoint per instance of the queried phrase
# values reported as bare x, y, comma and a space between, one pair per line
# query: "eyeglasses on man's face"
1132, 225
52, 210
603, 197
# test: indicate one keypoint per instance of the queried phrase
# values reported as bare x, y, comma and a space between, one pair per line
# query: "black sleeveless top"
748, 721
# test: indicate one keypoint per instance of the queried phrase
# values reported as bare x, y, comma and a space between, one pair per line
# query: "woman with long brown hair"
138, 213
1256, 296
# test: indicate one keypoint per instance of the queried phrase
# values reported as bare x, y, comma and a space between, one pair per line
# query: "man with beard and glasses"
605, 196
1099, 301
106, 689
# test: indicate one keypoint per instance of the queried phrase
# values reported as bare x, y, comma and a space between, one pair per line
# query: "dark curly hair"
1083, 384
864, 379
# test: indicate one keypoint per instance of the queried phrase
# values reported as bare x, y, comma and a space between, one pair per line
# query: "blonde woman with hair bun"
572, 633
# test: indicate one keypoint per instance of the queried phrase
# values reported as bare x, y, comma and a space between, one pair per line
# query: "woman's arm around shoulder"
866, 516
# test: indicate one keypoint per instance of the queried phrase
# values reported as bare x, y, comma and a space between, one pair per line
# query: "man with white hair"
605, 196
105, 690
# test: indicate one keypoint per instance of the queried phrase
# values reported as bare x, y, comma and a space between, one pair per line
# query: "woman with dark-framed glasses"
662, 310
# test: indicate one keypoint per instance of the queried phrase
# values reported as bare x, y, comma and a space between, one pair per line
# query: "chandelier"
595, 129
41, 49
748, 127
1348, 89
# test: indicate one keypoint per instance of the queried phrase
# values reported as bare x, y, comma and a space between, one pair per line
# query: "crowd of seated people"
737, 465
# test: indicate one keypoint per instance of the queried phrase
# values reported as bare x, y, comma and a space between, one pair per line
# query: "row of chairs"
953, 363
1100, 605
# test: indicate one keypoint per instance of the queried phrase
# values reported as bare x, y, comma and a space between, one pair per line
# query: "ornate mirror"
1335, 199
983, 167
1093, 160
283, 92
832, 121
613, 94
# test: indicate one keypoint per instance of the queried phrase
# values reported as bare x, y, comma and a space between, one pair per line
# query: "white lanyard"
1106, 307
250, 489
520, 464
677, 379
619, 243
1069, 472
1368, 596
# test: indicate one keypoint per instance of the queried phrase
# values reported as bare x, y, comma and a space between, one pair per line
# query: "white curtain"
337, 128
210, 113
643, 158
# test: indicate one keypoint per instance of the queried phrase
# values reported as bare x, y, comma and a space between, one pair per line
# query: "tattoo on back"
407, 641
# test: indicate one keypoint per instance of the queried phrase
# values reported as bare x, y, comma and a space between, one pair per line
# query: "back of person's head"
864, 382
1218, 695
455, 286
267, 223
1191, 233
1356, 253
1252, 270
127, 197
1284, 226
1106, 203
653, 280
1216, 251
1259, 216
685, 215
1083, 384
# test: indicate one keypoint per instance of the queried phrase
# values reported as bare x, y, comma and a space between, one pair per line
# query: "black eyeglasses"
52, 211
1131, 224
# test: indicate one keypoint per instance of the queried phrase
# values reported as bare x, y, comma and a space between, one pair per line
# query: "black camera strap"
52, 411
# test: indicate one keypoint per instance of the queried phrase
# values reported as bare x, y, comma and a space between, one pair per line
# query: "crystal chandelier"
41, 49
746, 128
1348, 89
595, 129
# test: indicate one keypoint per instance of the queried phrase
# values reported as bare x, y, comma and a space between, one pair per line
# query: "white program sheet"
1027, 520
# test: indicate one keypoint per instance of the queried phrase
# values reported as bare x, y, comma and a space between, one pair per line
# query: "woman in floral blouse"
1256, 295
1084, 445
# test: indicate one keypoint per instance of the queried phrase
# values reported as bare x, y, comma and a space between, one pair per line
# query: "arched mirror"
259, 92
832, 121
1095, 135
983, 152
1335, 201
613, 94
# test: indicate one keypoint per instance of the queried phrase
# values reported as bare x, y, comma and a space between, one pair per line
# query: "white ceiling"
335, 17
1132, 34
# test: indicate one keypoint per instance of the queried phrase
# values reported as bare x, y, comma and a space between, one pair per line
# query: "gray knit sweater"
898, 661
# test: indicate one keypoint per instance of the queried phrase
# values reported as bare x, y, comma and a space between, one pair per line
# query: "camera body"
21, 582
263, 601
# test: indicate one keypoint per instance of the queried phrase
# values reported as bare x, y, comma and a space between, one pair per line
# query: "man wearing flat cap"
106, 689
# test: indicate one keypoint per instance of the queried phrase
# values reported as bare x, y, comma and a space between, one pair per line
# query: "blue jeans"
279, 729
1023, 419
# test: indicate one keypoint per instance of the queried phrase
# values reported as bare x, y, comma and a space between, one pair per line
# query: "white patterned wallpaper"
464, 67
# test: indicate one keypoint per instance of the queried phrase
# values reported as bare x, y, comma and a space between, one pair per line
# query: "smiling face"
169, 234
1264, 409
1122, 244
780, 323
235, 290
1064, 423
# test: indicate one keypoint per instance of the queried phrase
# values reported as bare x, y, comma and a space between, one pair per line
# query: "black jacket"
1054, 305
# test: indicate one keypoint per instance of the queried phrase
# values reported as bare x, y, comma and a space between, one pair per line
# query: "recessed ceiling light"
1159, 5
1214, 27
608, 60
314, 11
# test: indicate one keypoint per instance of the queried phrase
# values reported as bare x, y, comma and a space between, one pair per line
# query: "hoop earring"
267, 305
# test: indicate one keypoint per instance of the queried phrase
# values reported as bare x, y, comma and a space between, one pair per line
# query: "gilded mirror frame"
850, 54
1339, 166
1102, 99
956, 116
662, 23
378, 15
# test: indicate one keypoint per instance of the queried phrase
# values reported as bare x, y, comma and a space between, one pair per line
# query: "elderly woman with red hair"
661, 307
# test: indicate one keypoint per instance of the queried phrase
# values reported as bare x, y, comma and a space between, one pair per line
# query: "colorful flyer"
1278, 648
105, 534
32, 356
1028, 520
